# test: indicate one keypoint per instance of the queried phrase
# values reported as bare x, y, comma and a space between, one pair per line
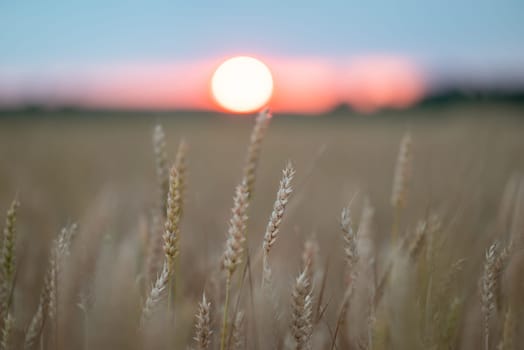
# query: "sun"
242, 84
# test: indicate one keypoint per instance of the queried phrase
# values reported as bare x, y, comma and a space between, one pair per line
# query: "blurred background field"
97, 169
60, 163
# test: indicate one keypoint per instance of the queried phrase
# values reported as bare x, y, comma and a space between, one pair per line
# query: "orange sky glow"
301, 85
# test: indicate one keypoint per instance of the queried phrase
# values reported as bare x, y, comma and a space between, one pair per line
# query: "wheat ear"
302, 312
155, 254
350, 244
352, 257
45, 305
234, 248
310, 259
418, 241
508, 333
275, 219
253, 151
487, 290
156, 294
401, 180
365, 244
173, 210
162, 170
238, 340
5, 342
170, 236
181, 166
48, 304
203, 324
7, 259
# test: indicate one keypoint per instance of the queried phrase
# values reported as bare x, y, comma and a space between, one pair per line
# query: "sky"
52, 50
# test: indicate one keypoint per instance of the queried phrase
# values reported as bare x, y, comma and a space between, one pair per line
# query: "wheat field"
403, 230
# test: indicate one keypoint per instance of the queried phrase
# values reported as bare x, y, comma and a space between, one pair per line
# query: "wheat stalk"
275, 219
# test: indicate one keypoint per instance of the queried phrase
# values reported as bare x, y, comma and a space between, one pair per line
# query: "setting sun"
242, 84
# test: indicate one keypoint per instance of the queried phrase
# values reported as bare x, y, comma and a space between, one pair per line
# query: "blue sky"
40, 33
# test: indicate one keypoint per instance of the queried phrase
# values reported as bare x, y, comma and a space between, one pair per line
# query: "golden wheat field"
403, 230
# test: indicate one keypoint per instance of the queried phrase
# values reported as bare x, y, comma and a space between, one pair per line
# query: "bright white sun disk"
242, 84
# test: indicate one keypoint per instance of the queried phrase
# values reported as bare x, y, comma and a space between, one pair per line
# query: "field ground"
100, 172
